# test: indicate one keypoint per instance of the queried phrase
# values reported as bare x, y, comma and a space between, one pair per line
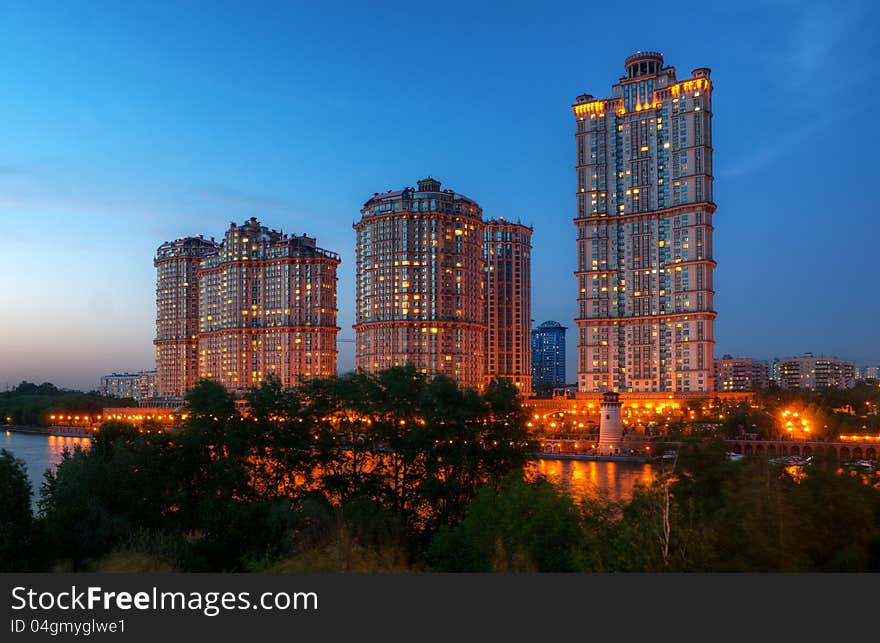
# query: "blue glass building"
548, 355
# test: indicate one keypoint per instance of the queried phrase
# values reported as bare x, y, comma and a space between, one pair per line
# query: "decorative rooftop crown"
429, 185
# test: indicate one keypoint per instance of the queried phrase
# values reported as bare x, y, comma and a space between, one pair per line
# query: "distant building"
548, 355
812, 372
137, 386
507, 254
775, 371
869, 373
740, 374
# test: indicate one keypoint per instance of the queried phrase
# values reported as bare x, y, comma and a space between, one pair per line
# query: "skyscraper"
507, 255
177, 313
420, 283
267, 305
644, 221
548, 355
260, 302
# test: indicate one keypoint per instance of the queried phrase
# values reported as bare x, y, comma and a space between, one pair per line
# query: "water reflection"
39, 452
583, 479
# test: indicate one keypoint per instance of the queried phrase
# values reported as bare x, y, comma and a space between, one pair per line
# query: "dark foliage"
31, 404
391, 456
396, 471
18, 537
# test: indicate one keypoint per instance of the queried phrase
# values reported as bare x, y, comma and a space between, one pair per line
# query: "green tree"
74, 511
339, 413
209, 401
30, 404
280, 452
523, 527
17, 529
95, 498
473, 440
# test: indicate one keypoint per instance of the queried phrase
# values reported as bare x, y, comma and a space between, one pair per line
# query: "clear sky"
123, 125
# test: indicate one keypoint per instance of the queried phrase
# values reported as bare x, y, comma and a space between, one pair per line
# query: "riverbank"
80, 432
58, 431
581, 478
593, 457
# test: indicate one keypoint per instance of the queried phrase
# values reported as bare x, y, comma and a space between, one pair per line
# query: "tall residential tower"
420, 283
507, 254
644, 222
259, 303
177, 313
267, 305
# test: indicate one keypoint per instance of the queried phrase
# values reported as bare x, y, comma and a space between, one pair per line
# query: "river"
582, 479
39, 452
585, 479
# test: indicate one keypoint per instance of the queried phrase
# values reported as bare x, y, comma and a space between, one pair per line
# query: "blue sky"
127, 124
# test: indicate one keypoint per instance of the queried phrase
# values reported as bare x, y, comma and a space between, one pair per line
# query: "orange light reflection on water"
57, 444
585, 479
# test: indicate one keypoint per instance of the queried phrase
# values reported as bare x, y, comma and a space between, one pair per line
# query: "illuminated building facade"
548, 355
811, 372
776, 371
420, 283
137, 386
177, 313
267, 305
644, 222
740, 374
507, 250
265, 302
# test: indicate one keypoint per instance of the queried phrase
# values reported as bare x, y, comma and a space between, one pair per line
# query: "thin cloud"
43, 193
815, 36
817, 33
771, 151
8, 170
247, 201
14, 236
807, 54
29, 200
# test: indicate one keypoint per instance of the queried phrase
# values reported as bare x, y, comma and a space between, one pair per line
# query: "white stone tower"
610, 424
